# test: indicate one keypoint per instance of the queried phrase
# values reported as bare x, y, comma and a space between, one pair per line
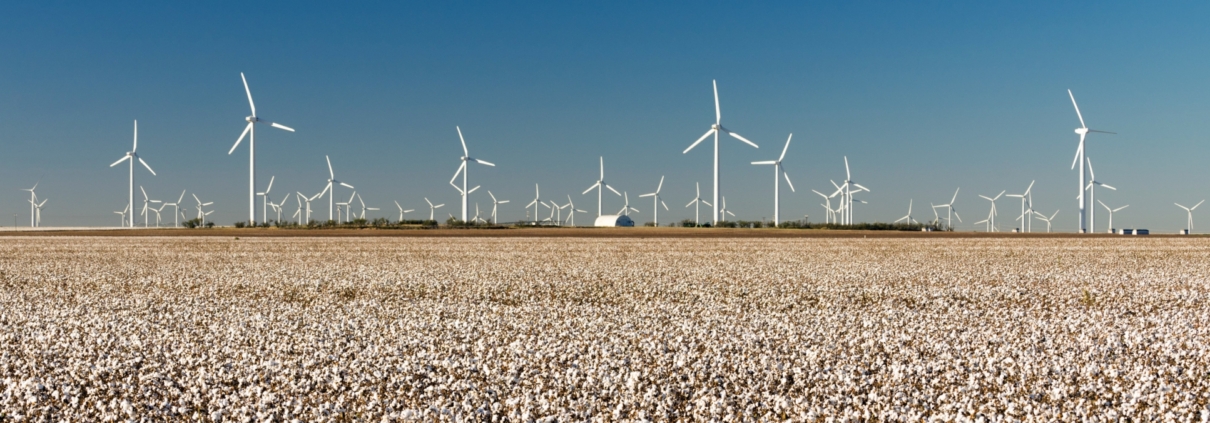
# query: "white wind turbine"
849, 183
907, 217
535, 203
991, 215
176, 210
1092, 193
38, 212
1189, 210
600, 185
33, 202
1043, 218
571, 212
714, 130
146, 205
132, 155
950, 211
347, 218
829, 216
264, 200
278, 208
495, 203
1025, 197
778, 172
364, 208
432, 208
1111, 212
462, 169
723, 211
122, 214
656, 201
1083, 132
200, 213
696, 203
330, 187
308, 201
250, 132
626, 209
402, 211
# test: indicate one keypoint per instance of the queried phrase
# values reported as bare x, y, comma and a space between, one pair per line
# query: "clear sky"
922, 98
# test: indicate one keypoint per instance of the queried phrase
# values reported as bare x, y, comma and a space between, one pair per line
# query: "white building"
611, 220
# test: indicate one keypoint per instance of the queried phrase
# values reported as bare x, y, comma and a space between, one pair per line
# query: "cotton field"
596, 329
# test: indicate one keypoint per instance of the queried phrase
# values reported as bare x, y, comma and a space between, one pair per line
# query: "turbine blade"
346, 185
271, 178
614, 190
280, 126
718, 114
590, 188
146, 166
766, 162
955, 198
136, 136
119, 161
484, 162
1107, 186
249, 92
1102, 132
1077, 106
738, 137
786, 148
787, 176
465, 152
472, 189
331, 174
662, 204
657, 188
241, 138
699, 140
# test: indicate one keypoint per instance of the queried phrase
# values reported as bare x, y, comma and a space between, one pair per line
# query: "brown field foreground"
603, 329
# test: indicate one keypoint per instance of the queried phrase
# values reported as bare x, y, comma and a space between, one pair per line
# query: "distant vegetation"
455, 223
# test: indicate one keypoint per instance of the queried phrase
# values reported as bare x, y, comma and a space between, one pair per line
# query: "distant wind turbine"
778, 173
1083, 132
132, 155
462, 169
250, 131
714, 130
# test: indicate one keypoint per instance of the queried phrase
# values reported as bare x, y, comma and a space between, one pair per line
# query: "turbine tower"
1092, 194
496, 202
778, 172
1025, 197
462, 169
33, 202
250, 132
132, 155
1082, 131
714, 130
330, 187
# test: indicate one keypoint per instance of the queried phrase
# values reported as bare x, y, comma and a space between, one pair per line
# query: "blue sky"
922, 98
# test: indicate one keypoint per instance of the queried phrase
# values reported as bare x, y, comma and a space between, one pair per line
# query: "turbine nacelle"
251, 119
1082, 131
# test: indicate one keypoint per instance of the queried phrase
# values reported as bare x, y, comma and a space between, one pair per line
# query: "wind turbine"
498, 202
132, 155
1083, 132
308, 200
1025, 196
696, 203
849, 183
200, 213
38, 212
950, 210
265, 200
432, 208
298, 213
462, 169
33, 199
656, 201
723, 211
331, 180
829, 216
626, 209
176, 210
1043, 218
123, 215
991, 216
1092, 194
402, 211
364, 208
571, 212
146, 204
535, 203
600, 185
1111, 212
907, 217
250, 132
714, 130
1189, 227
778, 171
